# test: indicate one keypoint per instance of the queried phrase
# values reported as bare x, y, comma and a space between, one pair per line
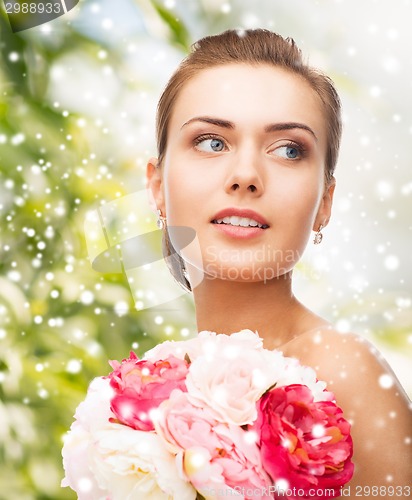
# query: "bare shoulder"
372, 399
340, 358
337, 356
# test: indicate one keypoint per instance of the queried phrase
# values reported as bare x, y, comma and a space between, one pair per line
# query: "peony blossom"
233, 379
295, 373
135, 465
205, 344
111, 461
211, 417
303, 443
78, 451
215, 457
140, 386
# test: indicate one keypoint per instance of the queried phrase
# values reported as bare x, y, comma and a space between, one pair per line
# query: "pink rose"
304, 444
140, 386
218, 459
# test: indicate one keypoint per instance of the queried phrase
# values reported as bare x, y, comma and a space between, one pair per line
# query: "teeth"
239, 221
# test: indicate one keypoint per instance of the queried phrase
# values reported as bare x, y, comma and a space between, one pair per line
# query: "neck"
270, 308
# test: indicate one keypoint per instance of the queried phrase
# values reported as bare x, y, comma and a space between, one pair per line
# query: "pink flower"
304, 444
140, 386
231, 375
218, 459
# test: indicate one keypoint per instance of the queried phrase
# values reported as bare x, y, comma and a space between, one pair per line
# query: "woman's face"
244, 167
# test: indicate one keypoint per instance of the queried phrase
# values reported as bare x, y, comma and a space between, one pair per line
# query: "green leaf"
179, 32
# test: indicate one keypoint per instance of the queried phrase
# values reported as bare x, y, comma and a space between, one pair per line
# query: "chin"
247, 272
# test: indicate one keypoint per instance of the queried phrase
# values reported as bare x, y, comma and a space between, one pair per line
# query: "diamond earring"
318, 236
161, 221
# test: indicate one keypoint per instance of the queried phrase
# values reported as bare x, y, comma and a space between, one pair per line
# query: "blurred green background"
77, 107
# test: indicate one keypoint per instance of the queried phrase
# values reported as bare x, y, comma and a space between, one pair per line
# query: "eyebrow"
214, 121
272, 127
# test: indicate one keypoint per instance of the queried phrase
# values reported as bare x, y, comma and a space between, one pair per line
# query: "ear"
325, 207
154, 185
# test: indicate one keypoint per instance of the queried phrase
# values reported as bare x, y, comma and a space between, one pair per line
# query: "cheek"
296, 208
183, 199
299, 197
180, 195
175, 208
189, 190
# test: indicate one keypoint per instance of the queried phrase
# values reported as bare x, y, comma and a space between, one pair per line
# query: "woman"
248, 138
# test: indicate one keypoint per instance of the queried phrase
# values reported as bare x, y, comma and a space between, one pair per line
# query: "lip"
240, 212
240, 232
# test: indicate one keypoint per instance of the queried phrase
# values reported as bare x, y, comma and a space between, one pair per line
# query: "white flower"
94, 412
135, 465
78, 450
231, 374
77, 455
295, 373
105, 460
204, 344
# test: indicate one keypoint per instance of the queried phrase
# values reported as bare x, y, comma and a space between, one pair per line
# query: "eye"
289, 151
209, 144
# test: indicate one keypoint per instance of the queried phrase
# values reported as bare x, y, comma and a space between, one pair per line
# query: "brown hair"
258, 46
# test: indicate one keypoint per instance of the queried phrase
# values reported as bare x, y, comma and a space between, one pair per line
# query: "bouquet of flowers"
208, 418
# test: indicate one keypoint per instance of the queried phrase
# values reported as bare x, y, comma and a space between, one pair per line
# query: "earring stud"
318, 236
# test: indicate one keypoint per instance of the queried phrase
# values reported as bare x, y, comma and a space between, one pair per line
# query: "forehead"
249, 95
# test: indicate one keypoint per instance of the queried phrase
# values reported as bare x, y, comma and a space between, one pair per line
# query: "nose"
244, 174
